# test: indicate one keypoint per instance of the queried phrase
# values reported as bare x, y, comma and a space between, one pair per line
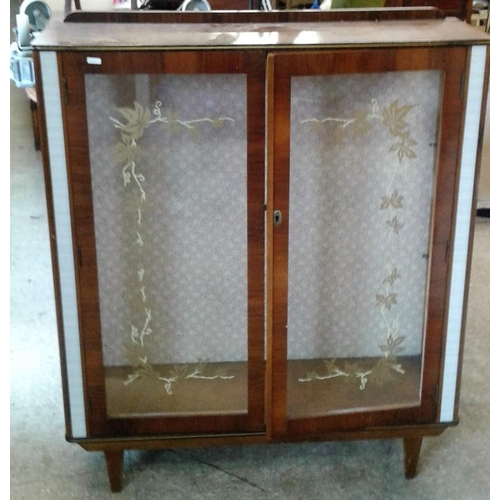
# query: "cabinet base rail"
114, 448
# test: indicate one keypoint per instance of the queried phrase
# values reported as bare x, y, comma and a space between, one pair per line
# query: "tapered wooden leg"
114, 463
411, 451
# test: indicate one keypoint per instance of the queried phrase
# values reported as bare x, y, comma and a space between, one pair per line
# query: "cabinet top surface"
175, 36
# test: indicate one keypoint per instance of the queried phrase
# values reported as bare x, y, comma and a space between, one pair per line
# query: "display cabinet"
260, 230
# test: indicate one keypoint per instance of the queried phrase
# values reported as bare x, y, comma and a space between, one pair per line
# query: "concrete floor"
453, 466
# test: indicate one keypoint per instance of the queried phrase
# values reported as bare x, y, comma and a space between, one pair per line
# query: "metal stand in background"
33, 17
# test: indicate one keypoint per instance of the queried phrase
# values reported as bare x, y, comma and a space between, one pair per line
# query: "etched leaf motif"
351, 369
381, 372
393, 346
146, 370
218, 123
138, 119
132, 124
126, 151
221, 372
361, 124
173, 123
386, 301
393, 117
134, 333
403, 147
395, 225
392, 277
330, 366
394, 200
178, 371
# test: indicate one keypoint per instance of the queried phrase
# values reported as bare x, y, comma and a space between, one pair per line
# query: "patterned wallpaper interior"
170, 220
362, 169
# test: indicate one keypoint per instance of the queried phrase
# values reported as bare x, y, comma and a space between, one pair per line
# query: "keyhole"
277, 218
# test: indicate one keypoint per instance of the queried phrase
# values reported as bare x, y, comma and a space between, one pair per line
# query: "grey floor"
455, 465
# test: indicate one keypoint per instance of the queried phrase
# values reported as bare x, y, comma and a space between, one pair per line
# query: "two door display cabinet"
260, 223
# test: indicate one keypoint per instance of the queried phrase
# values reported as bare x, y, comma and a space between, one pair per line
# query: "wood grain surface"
452, 63
256, 35
74, 68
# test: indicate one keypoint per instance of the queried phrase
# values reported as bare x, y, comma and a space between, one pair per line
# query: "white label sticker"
94, 60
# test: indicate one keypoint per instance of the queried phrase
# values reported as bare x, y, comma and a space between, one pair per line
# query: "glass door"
362, 306
174, 172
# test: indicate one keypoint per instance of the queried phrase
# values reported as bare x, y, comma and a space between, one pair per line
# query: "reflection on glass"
168, 162
362, 176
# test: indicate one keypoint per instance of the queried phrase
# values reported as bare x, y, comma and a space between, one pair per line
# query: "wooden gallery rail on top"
261, 226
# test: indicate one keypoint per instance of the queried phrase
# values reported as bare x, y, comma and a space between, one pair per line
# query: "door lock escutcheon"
277, 218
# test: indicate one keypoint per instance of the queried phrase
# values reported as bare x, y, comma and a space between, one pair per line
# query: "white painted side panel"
462, 231
65, 253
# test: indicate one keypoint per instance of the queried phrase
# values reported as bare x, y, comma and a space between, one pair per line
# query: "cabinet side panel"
462, 230
65, 253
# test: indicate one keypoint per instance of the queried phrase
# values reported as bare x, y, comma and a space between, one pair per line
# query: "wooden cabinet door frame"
73, 68
282, 67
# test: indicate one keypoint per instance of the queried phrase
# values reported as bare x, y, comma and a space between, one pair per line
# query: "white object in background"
200, 5
23, 31
122, 4
38, 13
22, 71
